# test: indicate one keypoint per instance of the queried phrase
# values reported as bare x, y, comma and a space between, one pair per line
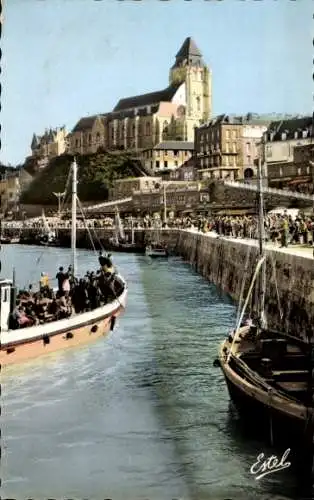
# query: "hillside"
96, 172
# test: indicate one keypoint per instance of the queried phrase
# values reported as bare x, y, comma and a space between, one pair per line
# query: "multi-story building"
124, 188
227, 147
298, 172
284, 135
9, 192
142, 121
173, 196
168, 155
52, 143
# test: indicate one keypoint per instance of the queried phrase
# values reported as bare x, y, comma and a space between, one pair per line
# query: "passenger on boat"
60, 277
44, 284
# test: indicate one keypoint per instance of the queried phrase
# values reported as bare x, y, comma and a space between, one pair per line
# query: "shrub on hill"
96, 172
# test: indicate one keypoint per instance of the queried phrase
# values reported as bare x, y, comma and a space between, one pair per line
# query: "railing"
268, 190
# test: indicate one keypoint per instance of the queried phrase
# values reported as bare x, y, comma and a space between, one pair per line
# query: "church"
143, 121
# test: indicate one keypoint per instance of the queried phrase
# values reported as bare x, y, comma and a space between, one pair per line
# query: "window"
89, 139
166, 164
234, 147
227, 147
98, 137
248, 148
175, 153
157, 164
227, 161
234, 134
198, 103
166, 152
227, 134
175, 163
268, 151
248, 159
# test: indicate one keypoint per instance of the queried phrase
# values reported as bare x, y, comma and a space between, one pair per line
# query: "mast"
132, 231
261, 232
73, 228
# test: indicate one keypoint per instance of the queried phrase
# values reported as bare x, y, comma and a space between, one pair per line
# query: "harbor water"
142, 414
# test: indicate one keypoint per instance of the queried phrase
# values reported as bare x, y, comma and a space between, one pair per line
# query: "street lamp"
59, 196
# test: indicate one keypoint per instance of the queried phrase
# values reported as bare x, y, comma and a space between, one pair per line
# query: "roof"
147, 99
224, 119
180, 145
289, 127
86, 123
188, 49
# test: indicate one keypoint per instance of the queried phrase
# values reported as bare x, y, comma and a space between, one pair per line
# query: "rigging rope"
236, 333
276, 285
86, 227
243, 282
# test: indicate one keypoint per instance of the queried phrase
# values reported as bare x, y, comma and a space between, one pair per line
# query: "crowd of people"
281, 227
73, 295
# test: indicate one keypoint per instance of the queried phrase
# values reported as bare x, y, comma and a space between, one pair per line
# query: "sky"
65, 59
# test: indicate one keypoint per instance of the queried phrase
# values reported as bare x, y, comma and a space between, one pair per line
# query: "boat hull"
20, 345
272, 425
22, 352
270, 418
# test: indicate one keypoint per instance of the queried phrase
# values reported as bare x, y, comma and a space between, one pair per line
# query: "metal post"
73, 229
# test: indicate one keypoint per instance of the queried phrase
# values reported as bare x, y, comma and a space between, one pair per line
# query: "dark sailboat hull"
271, 425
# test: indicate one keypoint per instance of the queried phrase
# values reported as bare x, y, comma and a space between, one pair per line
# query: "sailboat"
119, 241
48, 236
155, 248
269, 374
22, 344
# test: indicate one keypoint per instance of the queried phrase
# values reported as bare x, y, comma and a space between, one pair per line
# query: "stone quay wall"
223, 262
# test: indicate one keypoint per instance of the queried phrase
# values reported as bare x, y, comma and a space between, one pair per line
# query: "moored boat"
22, 344
269, 374
156, 250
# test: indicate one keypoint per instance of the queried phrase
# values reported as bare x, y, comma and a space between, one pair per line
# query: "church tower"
190, 69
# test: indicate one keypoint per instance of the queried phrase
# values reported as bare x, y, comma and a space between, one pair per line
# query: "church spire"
189, 54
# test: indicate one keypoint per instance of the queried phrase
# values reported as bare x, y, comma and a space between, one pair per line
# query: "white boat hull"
20, 345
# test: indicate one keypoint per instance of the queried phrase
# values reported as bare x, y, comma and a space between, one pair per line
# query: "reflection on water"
141, 414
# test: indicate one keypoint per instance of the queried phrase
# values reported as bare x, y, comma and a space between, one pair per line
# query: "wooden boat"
269, 374
26, 343
156, 250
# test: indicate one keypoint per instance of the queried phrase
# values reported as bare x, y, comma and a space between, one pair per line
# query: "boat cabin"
5, 303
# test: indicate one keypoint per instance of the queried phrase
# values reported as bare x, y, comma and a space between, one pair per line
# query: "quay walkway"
306, 251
